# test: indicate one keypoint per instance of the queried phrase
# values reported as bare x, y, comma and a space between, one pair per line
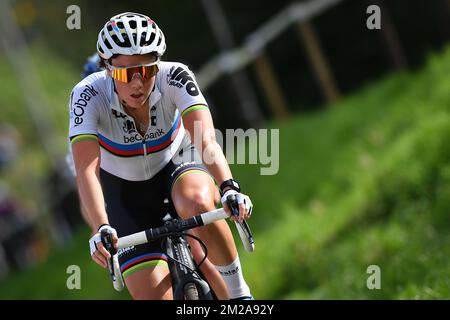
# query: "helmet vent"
152, 37
142, 42
126, 43
108, 45
115, 38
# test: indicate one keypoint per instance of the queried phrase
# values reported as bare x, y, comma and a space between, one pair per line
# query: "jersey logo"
118, 114
128, 126
181, 78
148, 136
77, 109
153, 116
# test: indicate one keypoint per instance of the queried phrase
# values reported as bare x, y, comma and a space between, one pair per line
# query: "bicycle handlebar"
175, 226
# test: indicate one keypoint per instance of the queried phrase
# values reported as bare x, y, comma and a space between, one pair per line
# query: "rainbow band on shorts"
189, 170
82, 137
143, 261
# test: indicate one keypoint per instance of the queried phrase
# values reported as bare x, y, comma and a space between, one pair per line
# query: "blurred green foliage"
48, 280
56, 79
364, 182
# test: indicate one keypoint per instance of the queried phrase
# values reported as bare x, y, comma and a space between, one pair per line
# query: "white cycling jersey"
95, 110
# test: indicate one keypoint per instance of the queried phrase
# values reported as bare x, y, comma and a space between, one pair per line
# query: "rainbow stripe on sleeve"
193, 108
82, 137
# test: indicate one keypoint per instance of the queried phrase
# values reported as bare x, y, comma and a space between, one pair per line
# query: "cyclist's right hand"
98, 252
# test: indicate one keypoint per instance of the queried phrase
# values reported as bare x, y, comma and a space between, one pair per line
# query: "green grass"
365, 182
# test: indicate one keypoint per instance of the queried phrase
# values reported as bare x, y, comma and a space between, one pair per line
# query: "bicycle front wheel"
190, 291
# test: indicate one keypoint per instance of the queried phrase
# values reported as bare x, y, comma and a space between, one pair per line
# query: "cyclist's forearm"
84, 212
91, 196
86, 156
215, 161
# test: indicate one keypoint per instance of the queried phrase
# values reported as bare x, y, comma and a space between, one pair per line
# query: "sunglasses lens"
148, 71
120, 74
126, 74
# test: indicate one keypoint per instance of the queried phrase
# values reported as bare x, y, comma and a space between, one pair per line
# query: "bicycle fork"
182, 274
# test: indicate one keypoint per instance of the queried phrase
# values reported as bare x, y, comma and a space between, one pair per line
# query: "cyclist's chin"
136, 102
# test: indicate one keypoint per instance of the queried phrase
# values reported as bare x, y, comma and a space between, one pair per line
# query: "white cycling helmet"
130, 33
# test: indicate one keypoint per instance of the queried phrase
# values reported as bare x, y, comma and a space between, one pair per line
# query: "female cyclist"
93, 65
139, 133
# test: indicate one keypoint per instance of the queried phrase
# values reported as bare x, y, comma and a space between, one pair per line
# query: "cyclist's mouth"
137, 95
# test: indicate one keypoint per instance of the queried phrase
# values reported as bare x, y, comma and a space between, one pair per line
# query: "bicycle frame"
177, 248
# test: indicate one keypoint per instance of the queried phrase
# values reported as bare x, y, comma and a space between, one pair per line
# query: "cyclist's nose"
136, 80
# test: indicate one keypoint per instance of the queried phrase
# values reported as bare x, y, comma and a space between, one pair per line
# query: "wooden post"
318, 61
442, 10
271, 87
245, 92
390, 37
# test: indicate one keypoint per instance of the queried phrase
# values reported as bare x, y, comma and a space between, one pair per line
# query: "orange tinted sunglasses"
126, 74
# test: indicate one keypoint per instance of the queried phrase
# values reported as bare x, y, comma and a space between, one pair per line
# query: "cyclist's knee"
203, 201
195, 201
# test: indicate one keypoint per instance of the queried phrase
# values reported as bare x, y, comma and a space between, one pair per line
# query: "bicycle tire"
191, 292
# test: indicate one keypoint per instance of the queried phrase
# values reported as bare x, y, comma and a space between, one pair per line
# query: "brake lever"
106, 238
243, 227
233, 205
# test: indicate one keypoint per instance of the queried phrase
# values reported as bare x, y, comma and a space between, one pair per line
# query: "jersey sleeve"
184, 89
84, 114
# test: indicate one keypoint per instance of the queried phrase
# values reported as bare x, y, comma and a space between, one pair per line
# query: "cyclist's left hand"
242, 201
98, 252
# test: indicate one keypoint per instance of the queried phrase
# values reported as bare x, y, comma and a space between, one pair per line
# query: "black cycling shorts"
134, 206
